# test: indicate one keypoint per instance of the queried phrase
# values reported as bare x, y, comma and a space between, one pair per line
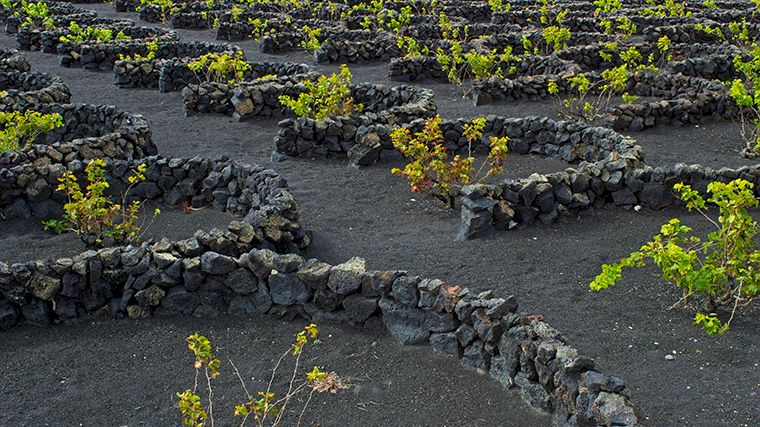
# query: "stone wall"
354, 46
62, 12
173, 74
195, 20
683, 99
88, 18
94, 56
482, 330
48, 40
421, 67
126, 5
362, 136
246, 99
13, 60
259, 196
147, 73
88, 132
614, 181
27, 89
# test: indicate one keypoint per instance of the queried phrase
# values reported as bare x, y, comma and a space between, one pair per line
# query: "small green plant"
17, 130
263, 408
460, 66
35, 15
259, 28
610, 22
488, 64
310, 40
152, 48
8, 5
745, 92
95, 218
329, 95
499, 6
670, 8
722, 271
431, 171
220, 67
410, 47
586, 99
554, 36
388, 20
167, 7
77, 34
709, 4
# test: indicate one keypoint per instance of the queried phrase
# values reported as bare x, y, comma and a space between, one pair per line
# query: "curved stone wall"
28, 89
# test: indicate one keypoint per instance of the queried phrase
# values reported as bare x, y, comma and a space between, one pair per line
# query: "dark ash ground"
370, 213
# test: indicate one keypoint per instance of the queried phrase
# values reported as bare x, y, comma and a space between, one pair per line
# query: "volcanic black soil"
126, 373
628, 330
23, 240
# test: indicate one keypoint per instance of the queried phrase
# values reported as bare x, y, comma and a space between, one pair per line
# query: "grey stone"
287, 263
654, 195
613, 410
404, 323
37, 312
359, 308
260, 262
150, 296
377, 283
242, 281
532, 391
163, 259
500, 371
346, 278
473, 223
8, 315
47, 209
475, 355
44, 287
314, 273
192, 280
137, 312
440, 322
446, 342
288, 290
624, 197
404, 290
179, 302
18, 209
214, 263
465, 334
262, 300
363, 155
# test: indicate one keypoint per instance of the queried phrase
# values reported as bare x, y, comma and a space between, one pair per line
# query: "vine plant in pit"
719, 272
167, 8
151, 48
264, 408
93, 216
78, 34
35, 15
744, 90
17, 129
431, 170
587, 99
328, 96
220, 67
554, 37
476, 63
